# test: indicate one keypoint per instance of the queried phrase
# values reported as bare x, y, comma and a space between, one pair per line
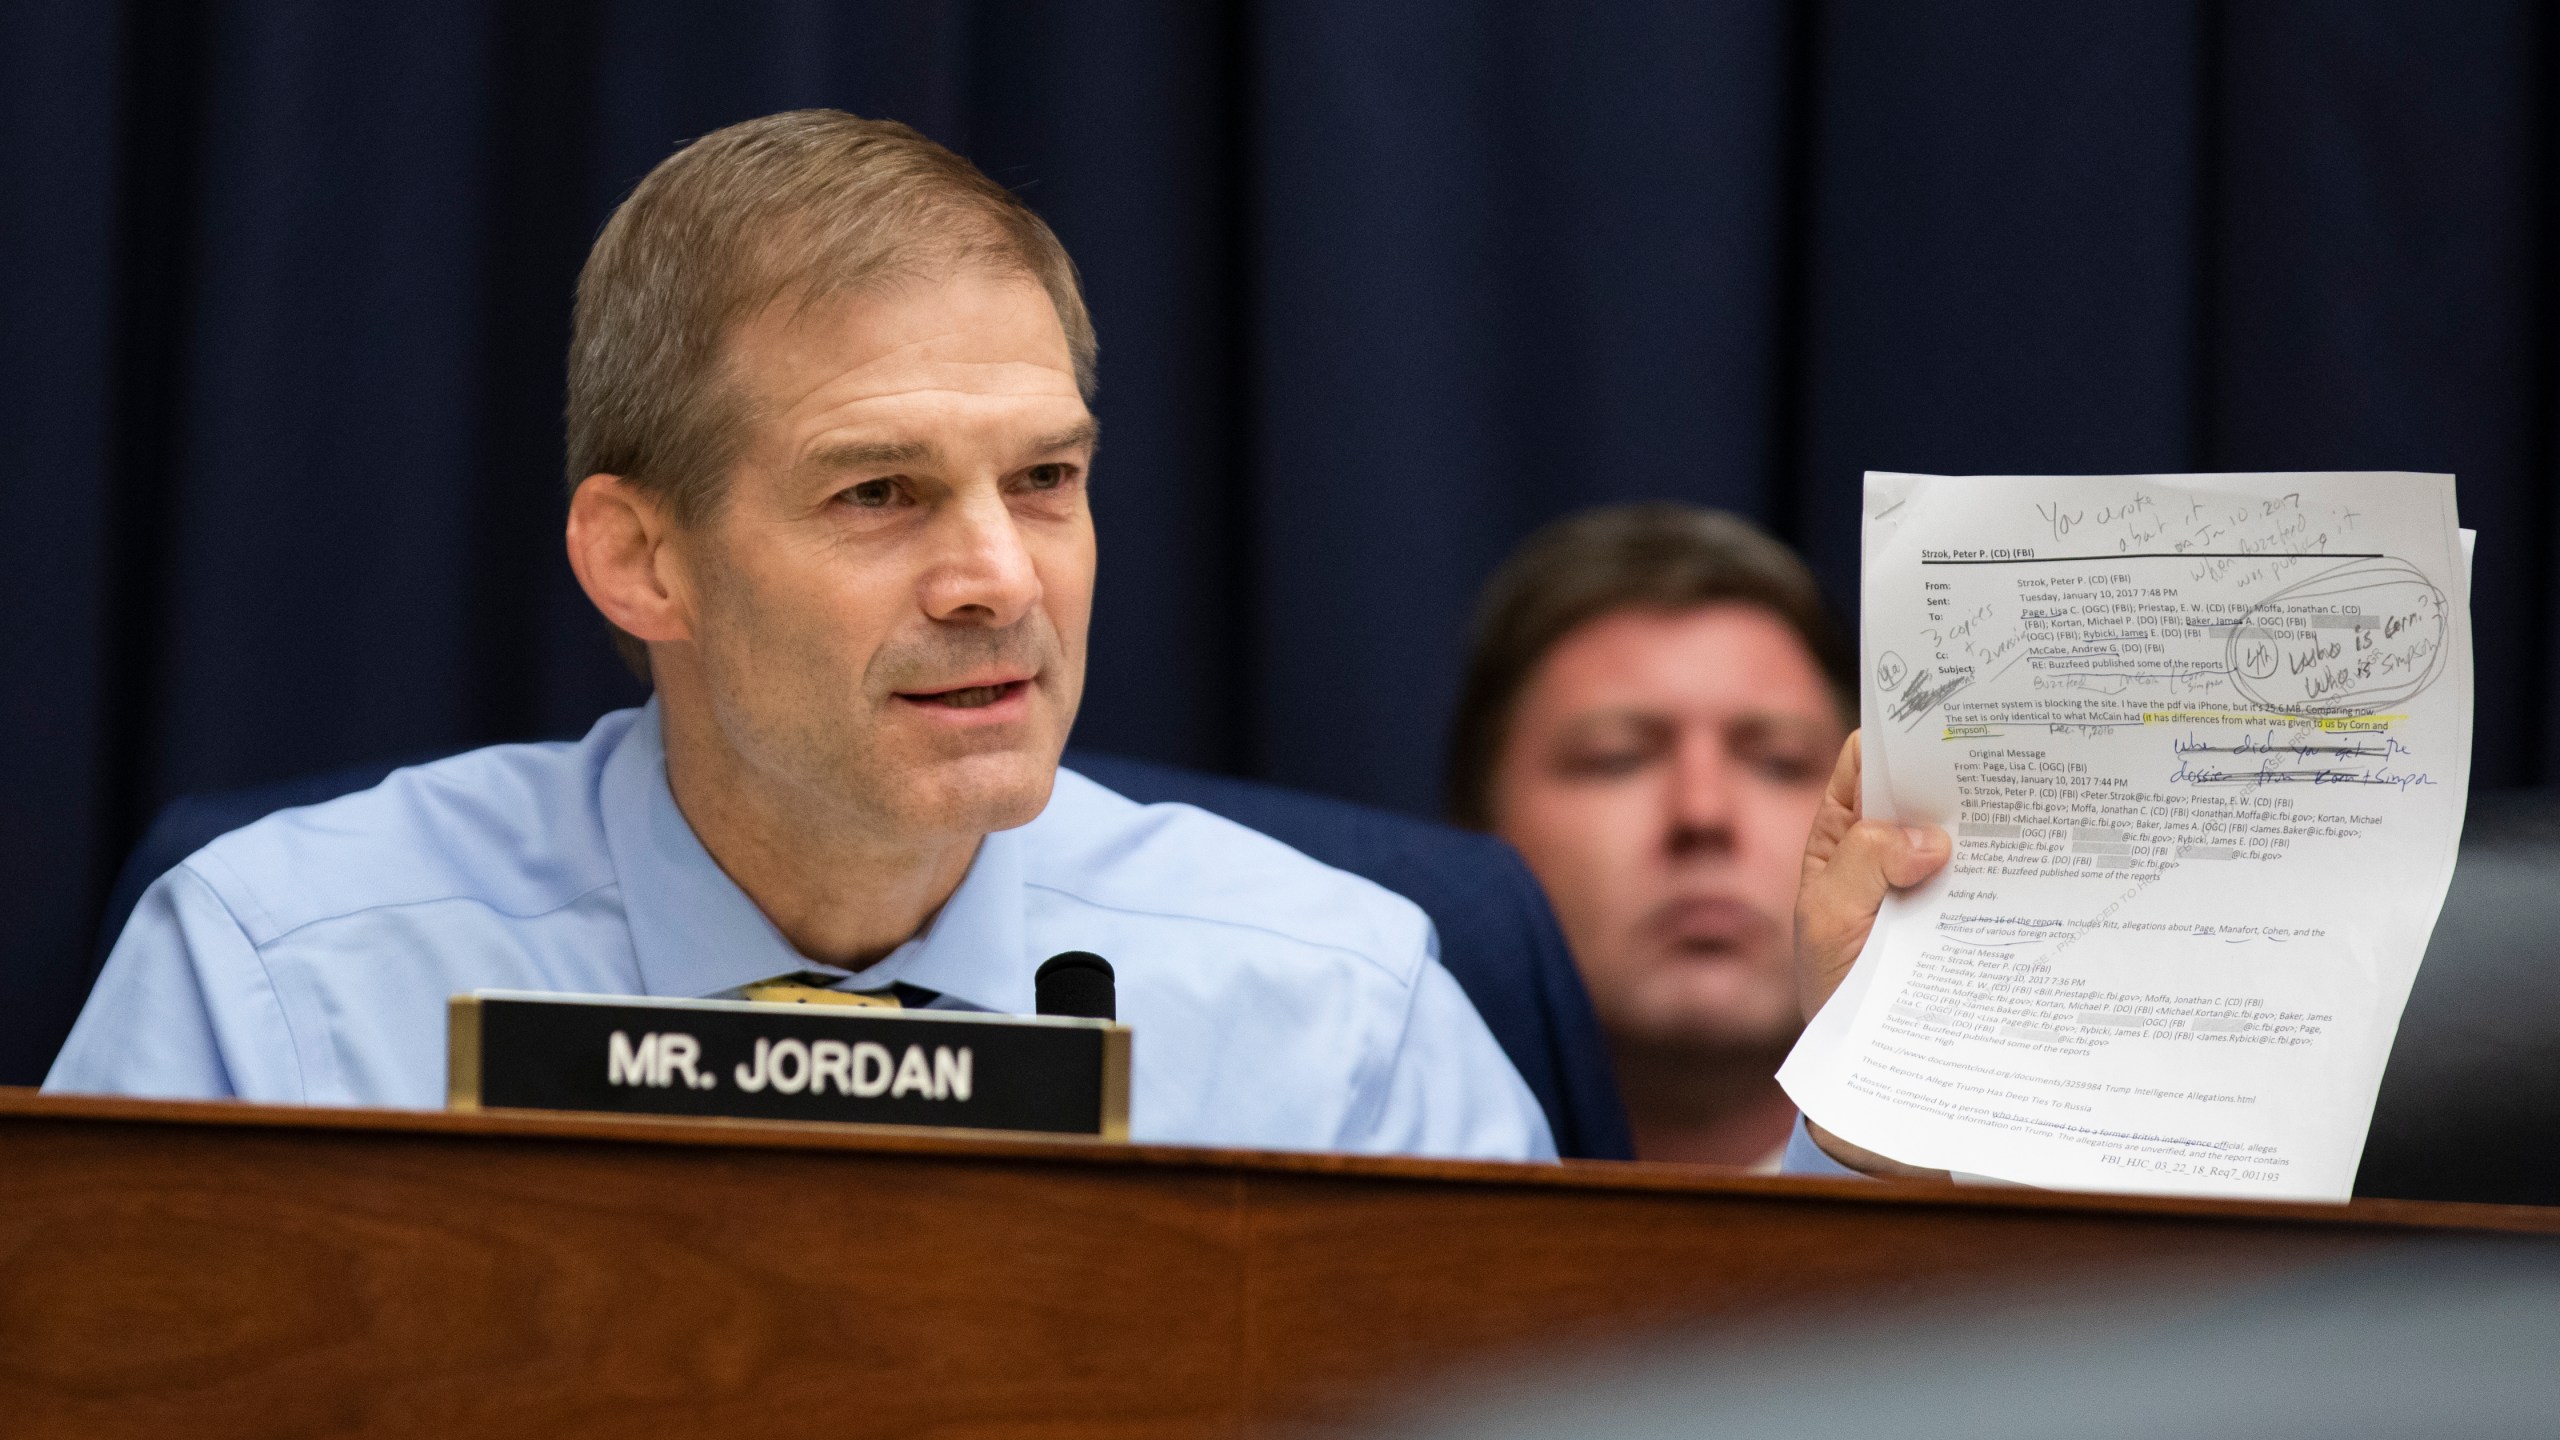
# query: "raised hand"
1850, 865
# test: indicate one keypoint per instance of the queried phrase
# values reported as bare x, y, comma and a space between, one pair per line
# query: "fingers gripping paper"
2202, 742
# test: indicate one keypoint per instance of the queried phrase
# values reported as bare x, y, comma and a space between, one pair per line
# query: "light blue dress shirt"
1273, 1001
1804, 1157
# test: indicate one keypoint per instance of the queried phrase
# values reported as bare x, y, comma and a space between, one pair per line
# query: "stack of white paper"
2202, 742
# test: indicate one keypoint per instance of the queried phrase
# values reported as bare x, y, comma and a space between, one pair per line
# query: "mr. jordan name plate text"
929, 1068
2202, 742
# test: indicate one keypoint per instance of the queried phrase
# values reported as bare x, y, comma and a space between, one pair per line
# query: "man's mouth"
967, 697
1713, 926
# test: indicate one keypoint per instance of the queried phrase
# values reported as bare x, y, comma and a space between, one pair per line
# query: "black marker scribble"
2204, 773
2302, 746
1924, 694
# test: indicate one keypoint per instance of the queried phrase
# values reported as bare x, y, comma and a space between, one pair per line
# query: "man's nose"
1703, 799
982, 573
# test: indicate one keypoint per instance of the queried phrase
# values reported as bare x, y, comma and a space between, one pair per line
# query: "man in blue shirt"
829, 445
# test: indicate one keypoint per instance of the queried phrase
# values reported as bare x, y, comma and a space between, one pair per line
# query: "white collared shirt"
1274, 1001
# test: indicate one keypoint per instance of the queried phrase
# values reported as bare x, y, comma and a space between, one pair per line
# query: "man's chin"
1719, 1008
985, 789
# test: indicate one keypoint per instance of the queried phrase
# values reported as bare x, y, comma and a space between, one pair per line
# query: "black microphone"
1077, 983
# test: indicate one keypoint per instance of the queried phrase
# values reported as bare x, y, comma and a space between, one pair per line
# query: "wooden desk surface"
214, 1269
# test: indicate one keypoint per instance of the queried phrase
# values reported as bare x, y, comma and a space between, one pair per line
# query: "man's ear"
618, 536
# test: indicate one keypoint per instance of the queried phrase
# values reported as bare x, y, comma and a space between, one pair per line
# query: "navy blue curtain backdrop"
283, 295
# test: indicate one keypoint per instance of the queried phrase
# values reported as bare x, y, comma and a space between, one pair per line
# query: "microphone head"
1077, 983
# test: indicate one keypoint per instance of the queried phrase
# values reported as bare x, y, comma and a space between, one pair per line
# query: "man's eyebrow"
862, 454
1087, 431
1787, 721
1645, 716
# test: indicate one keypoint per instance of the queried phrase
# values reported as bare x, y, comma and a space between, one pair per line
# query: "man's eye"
1792, 769
1785, 766
1046, 477
874, 494
1604, 764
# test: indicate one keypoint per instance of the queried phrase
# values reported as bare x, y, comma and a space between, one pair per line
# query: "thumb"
1877, 856
1837, 906
1917, 853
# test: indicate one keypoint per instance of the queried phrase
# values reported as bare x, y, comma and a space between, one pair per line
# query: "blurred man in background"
1654, 697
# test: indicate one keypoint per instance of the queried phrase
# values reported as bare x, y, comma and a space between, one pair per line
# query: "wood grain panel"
214, 1270
228, 1283
1358, 1292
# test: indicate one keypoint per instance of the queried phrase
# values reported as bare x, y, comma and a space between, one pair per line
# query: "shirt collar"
693, 931
973, 948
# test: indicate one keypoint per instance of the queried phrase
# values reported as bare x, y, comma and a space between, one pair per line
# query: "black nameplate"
935, 1068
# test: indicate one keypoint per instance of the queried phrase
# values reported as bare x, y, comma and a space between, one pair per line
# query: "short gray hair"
812, 202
